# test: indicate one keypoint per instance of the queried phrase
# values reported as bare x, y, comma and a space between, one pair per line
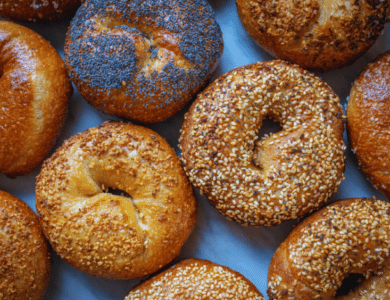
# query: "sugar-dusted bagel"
275, 179
114, 201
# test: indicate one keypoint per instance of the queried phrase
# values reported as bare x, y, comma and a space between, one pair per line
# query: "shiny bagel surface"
197, 279
142, 60
277, 178
35, 92
24, 254
114, 201
348, 236
368, 121
38, 10
315, 34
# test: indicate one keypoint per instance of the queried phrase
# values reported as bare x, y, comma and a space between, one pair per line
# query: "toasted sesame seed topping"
277, 178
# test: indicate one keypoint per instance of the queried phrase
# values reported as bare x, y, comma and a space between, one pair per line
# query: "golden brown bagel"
35, 91
116, 235
197, 279
275, 179
368, 121
24, 257
348, 236
38, 10
142, 60
316, 34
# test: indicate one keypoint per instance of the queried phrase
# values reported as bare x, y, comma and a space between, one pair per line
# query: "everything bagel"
142, 60
275, 179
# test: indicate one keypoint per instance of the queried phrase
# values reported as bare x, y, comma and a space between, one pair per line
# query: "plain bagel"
316, 34
35, 92
368, 121
196, 279
142, 60
277, 178
348, 236
114, 201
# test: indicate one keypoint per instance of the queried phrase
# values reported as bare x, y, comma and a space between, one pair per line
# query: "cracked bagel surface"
114, 201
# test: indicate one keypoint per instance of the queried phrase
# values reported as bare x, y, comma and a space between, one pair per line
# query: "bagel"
24, 255
142, 60
368, 121
114, 201
348, 236
197, 279
275, 179
38, 10
317, 35
35, 92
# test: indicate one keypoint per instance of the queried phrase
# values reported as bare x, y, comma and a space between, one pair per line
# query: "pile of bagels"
117, 201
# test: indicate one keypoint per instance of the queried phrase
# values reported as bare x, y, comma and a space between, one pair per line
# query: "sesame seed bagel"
24, 255
142, 60
197, 279
348, 236
279, 177
38, 10
35, 92
368, 121
316, 34
114, 201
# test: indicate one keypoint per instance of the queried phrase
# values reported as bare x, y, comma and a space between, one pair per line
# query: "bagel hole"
349, 284
117, 192
268, 128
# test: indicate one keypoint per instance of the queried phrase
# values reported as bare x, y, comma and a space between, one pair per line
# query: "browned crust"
24, 257
368, 121
108, 235
277, 178
38, 10
196, 279
317, 35
348, 236
35, 91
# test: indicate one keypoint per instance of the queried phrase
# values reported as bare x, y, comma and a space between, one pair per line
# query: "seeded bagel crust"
142, 60
38, 10
24, 255
275, 179
348, 236
196, 279
108, 233
368, 121
34, 93
316, 34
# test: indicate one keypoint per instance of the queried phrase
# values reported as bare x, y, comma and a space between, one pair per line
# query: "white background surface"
247, 250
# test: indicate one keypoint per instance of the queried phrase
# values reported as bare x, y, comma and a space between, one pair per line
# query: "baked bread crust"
348, 236
108, 233
35, 92
280, 177
368, 121
165, 51
316, 34
38, 10
24, 254
197, 279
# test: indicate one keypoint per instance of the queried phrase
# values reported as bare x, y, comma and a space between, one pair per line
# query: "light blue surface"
247, 250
